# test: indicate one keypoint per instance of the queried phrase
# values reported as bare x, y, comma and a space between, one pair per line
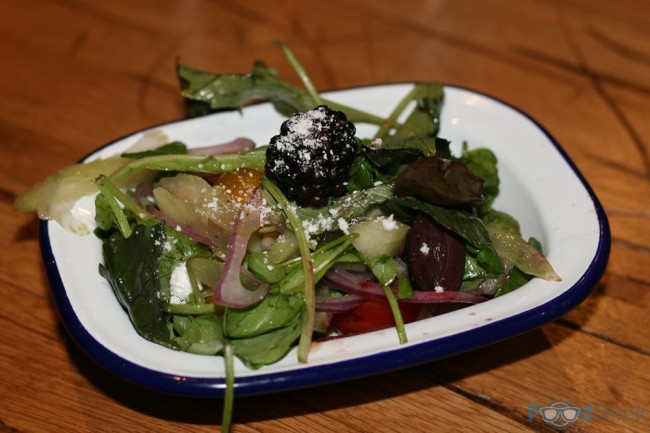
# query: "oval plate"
540, 187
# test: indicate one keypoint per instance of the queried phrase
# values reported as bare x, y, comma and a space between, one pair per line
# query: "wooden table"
75, 74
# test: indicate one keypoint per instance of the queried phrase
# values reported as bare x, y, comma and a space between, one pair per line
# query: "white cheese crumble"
388, 223
343, 226
424, 249
180, 285
438, 289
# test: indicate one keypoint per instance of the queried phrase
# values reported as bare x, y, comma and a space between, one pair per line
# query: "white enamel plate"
540, 186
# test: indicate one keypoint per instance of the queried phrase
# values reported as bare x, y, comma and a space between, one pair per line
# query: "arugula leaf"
515, 280
233, 91
254, 159
425, 145
322, 260
384, 268
260, 265
263, 334
363, 175
425, 118
173, 148
502, 220
206, 92
389, 160
275, 311
201, 334
348, 207
105, 216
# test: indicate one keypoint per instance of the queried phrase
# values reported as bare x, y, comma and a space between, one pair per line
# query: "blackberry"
311, 157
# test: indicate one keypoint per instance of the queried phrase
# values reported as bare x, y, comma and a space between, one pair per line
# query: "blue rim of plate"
383, 362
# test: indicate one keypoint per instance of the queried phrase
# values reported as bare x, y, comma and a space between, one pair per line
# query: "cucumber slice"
379, 235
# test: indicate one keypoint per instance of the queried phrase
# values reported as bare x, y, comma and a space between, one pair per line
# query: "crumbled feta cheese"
388, 222
343, 226
180, 285
424, 249
438, 289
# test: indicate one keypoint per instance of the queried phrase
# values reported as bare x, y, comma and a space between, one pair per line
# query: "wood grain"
78, 73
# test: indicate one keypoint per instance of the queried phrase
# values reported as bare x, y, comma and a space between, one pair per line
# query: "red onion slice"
229, 290
339, 304
237, 145
360, 285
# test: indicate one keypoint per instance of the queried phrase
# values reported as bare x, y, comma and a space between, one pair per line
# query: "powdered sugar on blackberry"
311, 157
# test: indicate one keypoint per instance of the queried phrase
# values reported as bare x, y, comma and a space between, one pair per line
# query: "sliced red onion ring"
229, 290
238, 145
338, 304
360, 285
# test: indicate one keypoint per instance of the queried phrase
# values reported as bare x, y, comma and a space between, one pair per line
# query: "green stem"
354, 115
304, 343
254, 159
191, 308
229, 393
113, 196
304, 77
397, 314
391, 120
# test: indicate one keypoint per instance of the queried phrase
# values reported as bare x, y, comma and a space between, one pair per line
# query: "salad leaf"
254, 159
520, 253
130, 266
205, 92
262, 267
384, 268
105, 216
202, 335
322, 260
173, 148
363, 175
353, 205
425, 118
390, 161
139, 269
233, 91
467, 226
515, 280
483, 163
275, 311
424, 144
262, 341
443, 182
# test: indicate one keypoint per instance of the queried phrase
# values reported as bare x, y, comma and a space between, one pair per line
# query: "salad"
249, 249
